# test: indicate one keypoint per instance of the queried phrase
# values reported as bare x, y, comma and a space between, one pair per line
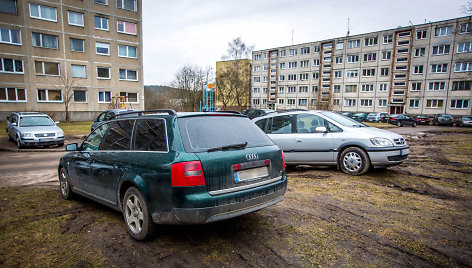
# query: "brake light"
187, 174
283, 160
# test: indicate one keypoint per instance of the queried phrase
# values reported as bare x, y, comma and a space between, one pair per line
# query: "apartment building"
76, 53
419, 69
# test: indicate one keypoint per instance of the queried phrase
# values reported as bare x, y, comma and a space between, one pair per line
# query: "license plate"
404, 152
43, 140
251, 174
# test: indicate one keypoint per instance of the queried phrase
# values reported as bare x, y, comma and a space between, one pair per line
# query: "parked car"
360, 117
401, 120
169, 168
443, 119
422, 120
33, 129
109, 114
464, 121
253, 113
376, 117
328, 138
348, 114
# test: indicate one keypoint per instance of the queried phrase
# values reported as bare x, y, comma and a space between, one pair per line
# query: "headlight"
59, 134
381, 142
27, 135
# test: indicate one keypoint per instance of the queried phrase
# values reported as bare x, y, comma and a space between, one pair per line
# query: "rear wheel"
399, 124
414, 124
137, 217
354, 161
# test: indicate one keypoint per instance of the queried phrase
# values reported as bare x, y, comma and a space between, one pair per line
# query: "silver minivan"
328, 138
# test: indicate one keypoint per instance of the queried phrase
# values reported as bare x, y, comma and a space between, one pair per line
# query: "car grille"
42, 135
399, 142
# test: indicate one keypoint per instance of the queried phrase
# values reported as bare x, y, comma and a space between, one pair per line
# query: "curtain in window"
48, 13
76, 18
49, 41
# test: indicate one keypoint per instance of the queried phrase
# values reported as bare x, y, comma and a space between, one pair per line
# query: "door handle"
298, 140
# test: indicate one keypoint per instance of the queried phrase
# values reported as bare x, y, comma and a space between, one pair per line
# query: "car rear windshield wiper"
227, 147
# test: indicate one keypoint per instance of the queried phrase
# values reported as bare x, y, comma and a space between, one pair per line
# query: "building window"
103, 73
403, 51
383, 87
386, 55
291, 102
103, 2
465, 28
338, 60
49, 95
281, 101
352, 73
78, 71
45, 40
126, 4
316, 75
434, 103
436, 86
349, 102
11, 66
266, 56
441, 50
264, 78
337, 89
303, 77
257, 79
8, 7
305, 50
292, 65
130, 97
304, 63
129, 52
325, 59
12, 95
381, 103
281, 90
418, 69
127, 27
366, 102
352, 58
256, 90
371, 41
384, 71
367, 88
414, 104
9, 36
314, 88
421, 34
387, 39
439, 68
46, 68
464, 47
256, 101
257, 68
257, 57
292, 77
291, 90
420, 52
415, 86
101, 23
80, 96
459, 104
102, 48
403, 43
404, 34
462, 67
303, 102
401, 68
339, 46
303, 89
77, 45
316, 62
43, 12
461, 85
292, 52
335, 102
104, 96
281, 77
351, 88
282, 65
368, 72
75, 18
443, 31
338, 74
316, 49
354, 43
130, 75
283, 53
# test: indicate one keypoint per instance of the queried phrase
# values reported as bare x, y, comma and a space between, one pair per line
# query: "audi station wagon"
167, 168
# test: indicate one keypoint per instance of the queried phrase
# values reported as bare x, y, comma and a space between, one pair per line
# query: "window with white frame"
352, 58
370, 41
465, 28
349, 102
127, 4
76, 18
264, 101
282, 65
462, 67
418, 69
388, 39
368, 72
126, 27
367, 88
401, 68
12, 94
415, 86
47, 68
78, 71
292, 52
292, 77
352, 73
316, 75
101, 23
44, 40
257, 68
441, 50
436, 86
314, 88
281, 90
381, 103
459, 104
264, 90
103, 73
386, 55
281, 77
398, 92
399, 76
304, 50
303, 89
403, 43
10, 36
370, 57
43, 12
414, 103
49, 95
338, 59
304, 63
404, 34
366, 102
403, 51
350, 88
292, 65
338, 74
434, 103
265, 78
257, 56
256, 90
283, 53
281, 101
420, 52
103, 2
77, 45
11, 66
336, 88
266, 56
316, 62
339, 46
383, 87
354, 43
439, 68
443, 31
291, 90
257, 79
335, 102
290, 102
127, 51
80, 96
102, 48
325, 59
384, 71
302, 102
256, 101
304, 77
327, 45
461, 85
421, 34
131, 97
104, 96
464, 47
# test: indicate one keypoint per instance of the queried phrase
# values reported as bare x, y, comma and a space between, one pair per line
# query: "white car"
328, 138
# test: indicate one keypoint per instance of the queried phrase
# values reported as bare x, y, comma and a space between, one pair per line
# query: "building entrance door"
396, 109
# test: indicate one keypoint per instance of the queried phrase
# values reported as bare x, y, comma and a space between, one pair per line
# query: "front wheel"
399, 124
137, 217
66, 192
18, 143
354, 161
414, 124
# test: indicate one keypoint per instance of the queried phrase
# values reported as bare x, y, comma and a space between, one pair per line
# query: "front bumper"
43, 142
388, 157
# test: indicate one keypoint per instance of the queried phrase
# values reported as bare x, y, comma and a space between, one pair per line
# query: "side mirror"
14, 124
321, 130
57, 122
72, 147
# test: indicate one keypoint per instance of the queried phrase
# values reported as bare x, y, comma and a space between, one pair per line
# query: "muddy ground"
415, 214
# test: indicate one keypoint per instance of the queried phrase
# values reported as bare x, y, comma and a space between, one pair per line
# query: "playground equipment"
210, 98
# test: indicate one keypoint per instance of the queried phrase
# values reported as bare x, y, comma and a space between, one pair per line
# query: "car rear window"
201, 133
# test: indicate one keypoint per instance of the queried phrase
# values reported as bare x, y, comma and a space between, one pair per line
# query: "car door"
280, 129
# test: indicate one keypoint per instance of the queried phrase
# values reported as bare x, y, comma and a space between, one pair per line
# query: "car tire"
18, 143
64, 185
436, 123
354, 161
136, 215
414, 124
399, 124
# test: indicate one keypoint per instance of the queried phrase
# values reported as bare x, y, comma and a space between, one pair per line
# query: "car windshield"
466, 118
372, 114
211, 133
343, 120
33, 121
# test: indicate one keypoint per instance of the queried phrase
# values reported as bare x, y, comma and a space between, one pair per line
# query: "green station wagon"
169, 168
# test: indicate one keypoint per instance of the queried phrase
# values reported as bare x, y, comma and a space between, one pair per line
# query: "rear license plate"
251, 174
404, 152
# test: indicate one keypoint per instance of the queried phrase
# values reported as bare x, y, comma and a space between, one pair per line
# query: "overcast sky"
181, 32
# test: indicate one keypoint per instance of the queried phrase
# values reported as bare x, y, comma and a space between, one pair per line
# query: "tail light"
283, 160
187, 174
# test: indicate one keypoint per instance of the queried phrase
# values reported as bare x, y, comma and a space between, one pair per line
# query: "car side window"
14, 119
261, 124
92, 142
118, 136
307, 123
280, 124
109, 115
150, 135
101, 117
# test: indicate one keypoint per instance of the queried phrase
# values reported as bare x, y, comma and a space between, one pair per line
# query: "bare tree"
467, 8
68, 84
237, 50
190, 81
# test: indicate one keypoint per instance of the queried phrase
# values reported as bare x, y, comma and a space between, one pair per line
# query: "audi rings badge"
252, 157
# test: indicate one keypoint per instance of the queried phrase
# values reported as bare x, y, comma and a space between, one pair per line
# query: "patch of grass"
380, 125
76, 128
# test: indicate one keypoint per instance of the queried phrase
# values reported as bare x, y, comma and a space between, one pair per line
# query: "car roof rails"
230, 112
139, 112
